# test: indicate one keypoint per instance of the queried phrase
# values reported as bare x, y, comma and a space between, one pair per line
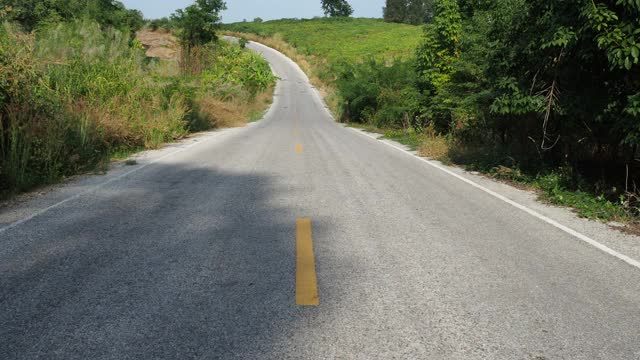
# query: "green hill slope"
340, 39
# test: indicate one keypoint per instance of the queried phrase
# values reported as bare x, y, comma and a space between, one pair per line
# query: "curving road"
209, 250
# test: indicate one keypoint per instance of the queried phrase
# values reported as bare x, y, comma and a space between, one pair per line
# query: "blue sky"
249, 9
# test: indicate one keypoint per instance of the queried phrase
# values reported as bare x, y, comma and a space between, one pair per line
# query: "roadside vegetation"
545, 94
328, 48
77, 90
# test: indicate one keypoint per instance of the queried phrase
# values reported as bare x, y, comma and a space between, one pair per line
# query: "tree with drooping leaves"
337, 8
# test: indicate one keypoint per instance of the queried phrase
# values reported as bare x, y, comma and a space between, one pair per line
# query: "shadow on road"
171, 263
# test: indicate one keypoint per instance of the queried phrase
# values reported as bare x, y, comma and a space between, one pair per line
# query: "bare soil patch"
159, 44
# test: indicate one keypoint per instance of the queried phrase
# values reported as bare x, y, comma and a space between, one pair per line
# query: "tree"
419, 12
337, 8
198, 22
414, 12
395, 11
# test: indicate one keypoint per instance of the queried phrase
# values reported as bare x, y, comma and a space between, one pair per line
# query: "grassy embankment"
74, 95
371, 63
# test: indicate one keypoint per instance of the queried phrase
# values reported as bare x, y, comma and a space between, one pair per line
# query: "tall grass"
74, 92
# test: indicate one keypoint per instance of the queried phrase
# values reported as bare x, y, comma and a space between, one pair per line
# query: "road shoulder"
626, 244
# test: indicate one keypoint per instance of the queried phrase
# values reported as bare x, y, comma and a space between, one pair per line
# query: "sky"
250, 9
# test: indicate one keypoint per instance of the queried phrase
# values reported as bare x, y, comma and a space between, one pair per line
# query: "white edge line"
98, 186
529, 211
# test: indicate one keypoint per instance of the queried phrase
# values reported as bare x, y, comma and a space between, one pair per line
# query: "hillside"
340, 39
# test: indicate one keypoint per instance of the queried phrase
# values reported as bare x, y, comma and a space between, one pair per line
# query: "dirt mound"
159, 44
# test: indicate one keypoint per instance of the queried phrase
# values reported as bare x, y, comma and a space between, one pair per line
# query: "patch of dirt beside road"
159, 44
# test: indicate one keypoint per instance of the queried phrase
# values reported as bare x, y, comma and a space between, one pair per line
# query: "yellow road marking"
306, 280
299, 148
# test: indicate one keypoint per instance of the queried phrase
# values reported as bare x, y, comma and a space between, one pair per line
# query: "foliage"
439, 48
74, 93
198, 23
375, 94
108, 13
617, 30
243, 42
337, 8
235, 68
553, 84
70, 94
413, 12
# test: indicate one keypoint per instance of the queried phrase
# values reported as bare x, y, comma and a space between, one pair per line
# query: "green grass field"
340, 39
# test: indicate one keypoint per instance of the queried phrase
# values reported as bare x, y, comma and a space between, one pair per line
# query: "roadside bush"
72, 93
236, 73
243, 42
378, 94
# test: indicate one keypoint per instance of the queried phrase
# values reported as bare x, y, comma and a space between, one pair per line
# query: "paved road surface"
195, 256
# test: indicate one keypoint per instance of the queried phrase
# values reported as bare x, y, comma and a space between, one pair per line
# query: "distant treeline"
108, 13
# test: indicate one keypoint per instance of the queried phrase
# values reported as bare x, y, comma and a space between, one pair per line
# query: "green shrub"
378, 94
243, 42
236, 72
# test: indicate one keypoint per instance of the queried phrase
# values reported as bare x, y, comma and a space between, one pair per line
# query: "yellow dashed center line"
306, 280
299, 148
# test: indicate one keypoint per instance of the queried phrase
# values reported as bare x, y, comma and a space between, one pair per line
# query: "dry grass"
434, 146
221, 114
259, 106
234, 113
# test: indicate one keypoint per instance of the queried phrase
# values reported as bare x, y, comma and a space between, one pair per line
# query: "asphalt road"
193, 256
